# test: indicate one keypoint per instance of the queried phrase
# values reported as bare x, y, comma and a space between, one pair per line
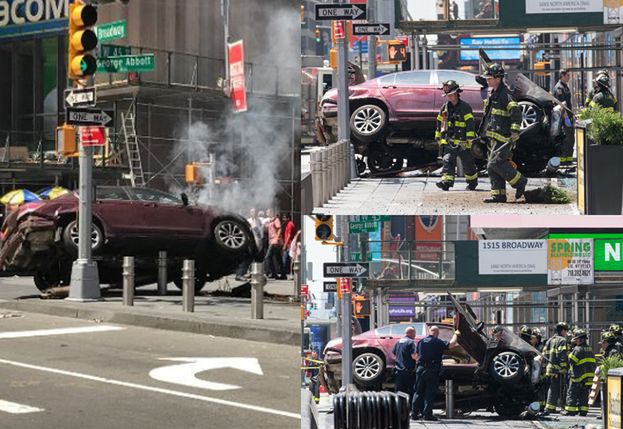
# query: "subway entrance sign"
609, 254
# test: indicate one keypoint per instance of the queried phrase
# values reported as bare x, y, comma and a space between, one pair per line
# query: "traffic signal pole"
371, 41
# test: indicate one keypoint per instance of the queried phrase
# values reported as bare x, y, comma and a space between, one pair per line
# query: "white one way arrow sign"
338, 11
80, 97
185, 373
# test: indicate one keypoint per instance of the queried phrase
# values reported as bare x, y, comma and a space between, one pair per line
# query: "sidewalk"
216, 313
420, 196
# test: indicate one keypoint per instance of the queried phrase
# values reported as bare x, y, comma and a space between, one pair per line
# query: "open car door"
470, 338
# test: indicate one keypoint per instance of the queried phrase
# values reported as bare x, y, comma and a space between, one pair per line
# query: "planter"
603, 179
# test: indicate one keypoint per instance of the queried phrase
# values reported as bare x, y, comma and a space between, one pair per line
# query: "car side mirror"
184, 199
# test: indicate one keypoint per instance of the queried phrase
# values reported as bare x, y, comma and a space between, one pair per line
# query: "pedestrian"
502, 119
275, 247
591, 93
266, 218
563, 94
258, 234
610, 346
404, 350
429, 353
289, 229
582, 366
556, 351
455, 134
603, 95
295, 249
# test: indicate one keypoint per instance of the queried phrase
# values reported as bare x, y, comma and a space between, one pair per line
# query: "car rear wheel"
507, 367
368, 369
382, 160
368, 123
231, 236
200, 280
70, 236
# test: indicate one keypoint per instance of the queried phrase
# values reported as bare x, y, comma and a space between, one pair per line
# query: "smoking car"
41, 238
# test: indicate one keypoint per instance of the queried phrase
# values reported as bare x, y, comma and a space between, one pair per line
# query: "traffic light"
324, 228
82, 40
318, 37
396, 52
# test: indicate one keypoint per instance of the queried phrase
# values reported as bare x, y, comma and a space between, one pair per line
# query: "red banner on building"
236, 76
428, 237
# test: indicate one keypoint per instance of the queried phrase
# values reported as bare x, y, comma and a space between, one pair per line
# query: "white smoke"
253, 148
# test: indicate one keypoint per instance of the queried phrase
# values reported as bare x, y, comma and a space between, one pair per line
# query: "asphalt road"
105, 379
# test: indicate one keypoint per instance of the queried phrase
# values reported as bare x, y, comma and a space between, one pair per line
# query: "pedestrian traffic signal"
324, 228
318, 36
396, 52
82, 40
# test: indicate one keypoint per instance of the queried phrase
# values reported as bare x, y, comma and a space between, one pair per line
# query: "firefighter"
455, 133
591, 93
617, 330
603, 95
502, 119
610, 346
536, 339
563, 94
556, 352
582, 366
525, 333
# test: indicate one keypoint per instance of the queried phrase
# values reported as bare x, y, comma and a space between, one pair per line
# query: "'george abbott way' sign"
21, 18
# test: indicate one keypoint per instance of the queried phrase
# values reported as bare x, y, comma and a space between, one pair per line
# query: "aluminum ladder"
136, 176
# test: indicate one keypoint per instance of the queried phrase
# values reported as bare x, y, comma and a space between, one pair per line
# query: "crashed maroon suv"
41, 238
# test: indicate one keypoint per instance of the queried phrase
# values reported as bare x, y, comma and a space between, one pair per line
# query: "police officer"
591, 93
404, 350
556, 351
455, 133
610, 346
603, 96
502, 119
582, 366
563, 94
429, 355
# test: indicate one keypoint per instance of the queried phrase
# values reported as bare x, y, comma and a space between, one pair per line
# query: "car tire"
368, 369
200, 280
54, 275
382, 160
368, 123
231, 236
70, 237
508, 410
531, 117
507, 367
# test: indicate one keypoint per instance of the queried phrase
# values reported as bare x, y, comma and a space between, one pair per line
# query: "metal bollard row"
258, 281
371, 410
188, 286
330, 170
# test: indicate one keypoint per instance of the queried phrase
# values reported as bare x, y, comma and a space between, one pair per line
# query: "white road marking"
60, 331
154, 389
15, 408
184, 373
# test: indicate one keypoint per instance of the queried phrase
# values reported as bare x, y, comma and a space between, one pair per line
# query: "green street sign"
374, 218
126, 63
361, 227
608, 255
356, 256
111, 31
107, 51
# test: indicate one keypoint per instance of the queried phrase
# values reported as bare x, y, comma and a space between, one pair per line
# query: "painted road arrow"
80, 97
380, 29
185, 373
89, 117
346, 269
325, 12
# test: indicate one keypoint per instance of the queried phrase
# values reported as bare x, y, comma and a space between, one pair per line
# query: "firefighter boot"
495, 199
444, 185
471, 185
521, 188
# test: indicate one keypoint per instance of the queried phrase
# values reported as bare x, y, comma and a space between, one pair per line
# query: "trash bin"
612, 419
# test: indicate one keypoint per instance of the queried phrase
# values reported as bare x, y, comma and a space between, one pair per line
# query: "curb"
191, 324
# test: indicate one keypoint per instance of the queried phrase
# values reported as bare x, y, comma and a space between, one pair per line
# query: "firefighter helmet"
451, 87
616, 329
608, 336
562, 326
494, 70
603, 72
580, 333
497, 329
603, 80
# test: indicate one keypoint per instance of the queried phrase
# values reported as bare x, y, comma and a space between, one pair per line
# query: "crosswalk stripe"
59, 331
15, 408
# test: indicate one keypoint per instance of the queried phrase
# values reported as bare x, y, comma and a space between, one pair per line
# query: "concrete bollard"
296, 272
128, 281
336, 169
449, 399
258, 280
188, 286
162, 273
343, 167
325, 179
316, 172
331, 171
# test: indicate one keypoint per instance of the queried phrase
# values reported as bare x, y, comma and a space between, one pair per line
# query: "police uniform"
557, 353
430, 353
563, 94
503, 117
456, 142
405, 365
581, 372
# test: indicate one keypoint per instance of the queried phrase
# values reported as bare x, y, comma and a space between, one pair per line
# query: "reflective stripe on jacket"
557, 353
460, 127
504, 115
582, 365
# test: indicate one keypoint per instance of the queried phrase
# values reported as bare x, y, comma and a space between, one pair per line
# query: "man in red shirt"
275, 246
289, 229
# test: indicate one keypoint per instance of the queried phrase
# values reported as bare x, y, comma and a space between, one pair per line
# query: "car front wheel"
368, 123
368, 369
71, 236
231, 236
